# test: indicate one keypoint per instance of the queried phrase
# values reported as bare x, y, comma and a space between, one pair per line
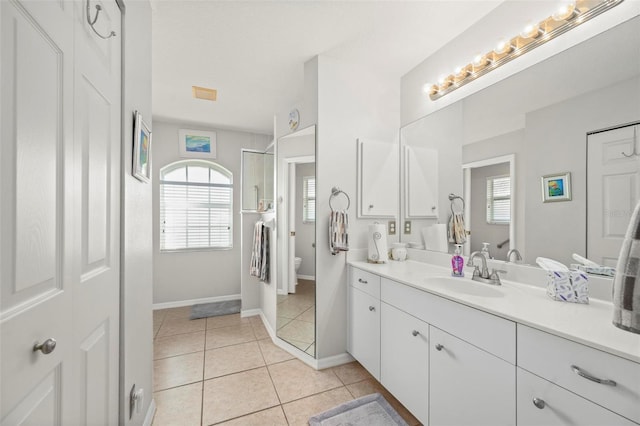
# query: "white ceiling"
253, 52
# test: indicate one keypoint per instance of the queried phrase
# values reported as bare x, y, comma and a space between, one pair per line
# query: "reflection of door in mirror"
489, 195
257, 180
296, 213
613, 185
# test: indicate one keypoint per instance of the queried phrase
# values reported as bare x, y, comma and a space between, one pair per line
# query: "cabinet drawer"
366, 281
557, 360
557, 406
488, 332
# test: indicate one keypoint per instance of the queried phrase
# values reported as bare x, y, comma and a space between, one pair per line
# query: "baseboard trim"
282, 292
335, 360
250, 313
151, 412
307, 277
181, 303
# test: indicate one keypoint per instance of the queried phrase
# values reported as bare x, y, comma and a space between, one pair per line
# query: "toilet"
298, 262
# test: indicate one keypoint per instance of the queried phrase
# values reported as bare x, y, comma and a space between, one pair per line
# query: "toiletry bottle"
485, 251
457, 263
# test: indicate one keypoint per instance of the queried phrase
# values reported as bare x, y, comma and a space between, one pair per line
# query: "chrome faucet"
516, 252
483, 275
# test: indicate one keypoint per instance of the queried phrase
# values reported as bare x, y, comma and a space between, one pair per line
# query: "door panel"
36, 95
613, 189
59, 214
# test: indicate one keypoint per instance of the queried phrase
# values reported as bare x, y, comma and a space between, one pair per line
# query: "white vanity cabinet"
541, 402
469, 386
404, 359
593, 379
377, 179
364, 320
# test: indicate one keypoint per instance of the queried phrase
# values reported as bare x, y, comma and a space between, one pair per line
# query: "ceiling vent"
204, 93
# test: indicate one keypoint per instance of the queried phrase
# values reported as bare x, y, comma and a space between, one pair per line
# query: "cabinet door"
541, 402
364, 330
404, 359
468, 386
377, 178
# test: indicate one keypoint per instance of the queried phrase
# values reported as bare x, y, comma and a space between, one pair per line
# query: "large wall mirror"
296, 228
546, 119
257, 180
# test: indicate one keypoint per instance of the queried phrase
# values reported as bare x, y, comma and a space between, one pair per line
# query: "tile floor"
296, 317
226, 370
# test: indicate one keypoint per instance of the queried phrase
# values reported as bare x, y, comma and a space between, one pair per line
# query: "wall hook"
95, 19
634, 153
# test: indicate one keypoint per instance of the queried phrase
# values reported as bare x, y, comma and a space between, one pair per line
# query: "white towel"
338, 231
457, 231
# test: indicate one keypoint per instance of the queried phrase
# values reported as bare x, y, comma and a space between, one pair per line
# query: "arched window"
196, 206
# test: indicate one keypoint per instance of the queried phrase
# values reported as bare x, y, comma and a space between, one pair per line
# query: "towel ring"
453, 197
335, 191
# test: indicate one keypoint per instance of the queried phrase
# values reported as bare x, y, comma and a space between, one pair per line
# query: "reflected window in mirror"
309, 199
499, 200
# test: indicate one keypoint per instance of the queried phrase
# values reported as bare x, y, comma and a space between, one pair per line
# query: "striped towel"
338, 231
626, 284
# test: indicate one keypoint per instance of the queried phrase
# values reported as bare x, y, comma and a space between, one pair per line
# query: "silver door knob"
371, 308
45, 347
539, 403
415, 333
439, 347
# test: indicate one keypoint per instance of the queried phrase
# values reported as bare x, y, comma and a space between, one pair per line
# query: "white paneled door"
59, 213
613, 189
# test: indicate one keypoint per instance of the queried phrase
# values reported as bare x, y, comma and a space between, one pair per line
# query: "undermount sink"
466, 286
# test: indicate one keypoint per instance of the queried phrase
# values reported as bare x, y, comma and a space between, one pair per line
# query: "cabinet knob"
45, 347
370, 206
360, 280
371, 308
539, 403
439, 347
415, 333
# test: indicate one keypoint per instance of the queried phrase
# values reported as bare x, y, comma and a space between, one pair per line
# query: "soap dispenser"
457, 263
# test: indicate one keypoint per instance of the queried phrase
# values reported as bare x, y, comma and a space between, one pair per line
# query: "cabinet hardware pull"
539, 403
439, 347
360, 280
415, 333
371, 308
581, 373
45, 347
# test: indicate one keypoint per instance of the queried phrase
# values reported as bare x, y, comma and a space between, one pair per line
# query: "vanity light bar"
568, 16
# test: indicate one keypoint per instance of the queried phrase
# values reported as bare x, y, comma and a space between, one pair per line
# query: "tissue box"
572, 286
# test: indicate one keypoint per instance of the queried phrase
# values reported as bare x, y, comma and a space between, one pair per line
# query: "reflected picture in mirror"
296, 227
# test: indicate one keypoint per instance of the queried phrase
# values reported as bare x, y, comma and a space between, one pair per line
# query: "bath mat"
369, 410
205, 310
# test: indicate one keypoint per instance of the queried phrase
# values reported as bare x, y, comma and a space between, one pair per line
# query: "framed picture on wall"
141, 149
556, 187
197, 144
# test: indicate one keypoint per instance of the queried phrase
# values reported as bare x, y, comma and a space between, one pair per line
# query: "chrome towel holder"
335, 191
452, 198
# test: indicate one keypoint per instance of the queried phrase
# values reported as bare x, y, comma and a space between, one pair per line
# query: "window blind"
309, 199
196, 214
499, 200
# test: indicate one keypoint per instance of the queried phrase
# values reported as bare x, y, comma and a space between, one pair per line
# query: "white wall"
505, 20
353, 102
305, 232
188, 275
136, 284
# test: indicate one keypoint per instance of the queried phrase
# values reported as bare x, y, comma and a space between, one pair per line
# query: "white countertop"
525, 304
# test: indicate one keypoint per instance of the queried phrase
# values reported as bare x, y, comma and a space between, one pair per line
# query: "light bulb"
427, 88
565, 11
458, 70
530, 31
503, 47
442, 79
